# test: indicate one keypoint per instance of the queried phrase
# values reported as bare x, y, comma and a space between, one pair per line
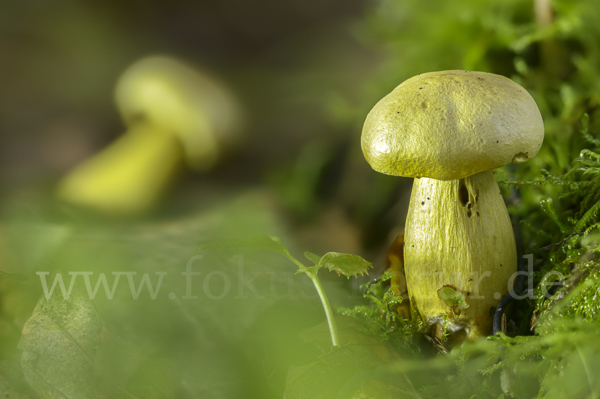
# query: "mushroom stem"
458, 234
129, 175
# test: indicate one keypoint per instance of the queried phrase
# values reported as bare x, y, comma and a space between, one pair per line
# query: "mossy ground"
554, 342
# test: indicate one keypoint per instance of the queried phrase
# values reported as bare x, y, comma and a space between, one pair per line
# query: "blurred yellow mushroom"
176, 117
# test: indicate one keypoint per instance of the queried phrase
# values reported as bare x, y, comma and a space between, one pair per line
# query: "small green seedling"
343, 264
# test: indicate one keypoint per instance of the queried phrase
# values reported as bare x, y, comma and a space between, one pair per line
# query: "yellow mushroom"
176, 118
449, 130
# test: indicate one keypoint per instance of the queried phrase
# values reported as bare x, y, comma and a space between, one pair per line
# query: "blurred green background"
61, 61
288, 65
297, 69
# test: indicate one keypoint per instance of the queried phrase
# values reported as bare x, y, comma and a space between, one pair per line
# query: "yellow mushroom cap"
177, 99
452, 124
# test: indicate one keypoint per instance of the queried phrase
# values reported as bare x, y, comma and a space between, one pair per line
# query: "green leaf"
341, 372
452, 297
346, 264
13, 384
312, 269
267, 243
58, 346
314, 258
376, 389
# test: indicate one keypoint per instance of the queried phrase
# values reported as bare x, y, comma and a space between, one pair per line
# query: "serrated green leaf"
267, 243
452, 297
346, 264
312, 269
314, 258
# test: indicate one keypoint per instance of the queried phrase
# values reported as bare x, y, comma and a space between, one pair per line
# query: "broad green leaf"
346, 264
340, 372
58, 345
268, 243
452, 297
376, 389
314, 258
8, 390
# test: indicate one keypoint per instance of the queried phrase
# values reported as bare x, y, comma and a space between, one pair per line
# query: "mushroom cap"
179, 100
452, 124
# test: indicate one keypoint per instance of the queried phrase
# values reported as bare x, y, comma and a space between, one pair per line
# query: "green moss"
380, 318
